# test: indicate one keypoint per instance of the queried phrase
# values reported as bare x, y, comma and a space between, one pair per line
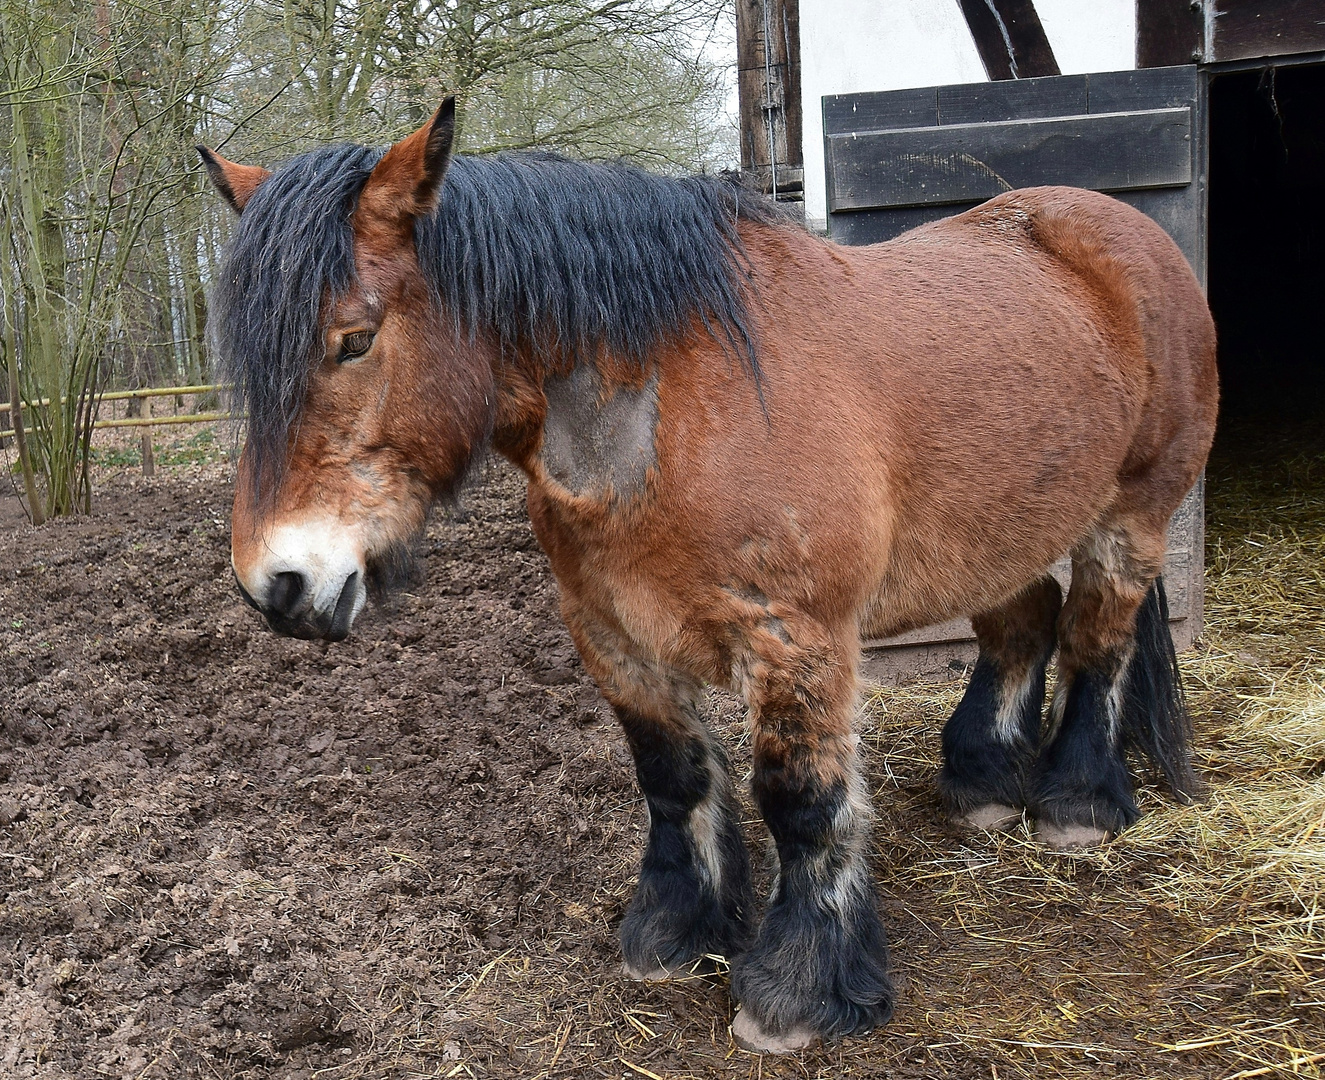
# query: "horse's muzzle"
289, 609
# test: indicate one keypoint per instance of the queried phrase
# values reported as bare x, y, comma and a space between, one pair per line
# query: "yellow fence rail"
127, 395
144, 421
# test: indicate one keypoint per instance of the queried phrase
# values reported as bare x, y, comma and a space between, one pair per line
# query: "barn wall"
1096, 36
852, 46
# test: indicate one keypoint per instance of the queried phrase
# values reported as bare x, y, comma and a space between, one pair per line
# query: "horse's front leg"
694, 896
818, 968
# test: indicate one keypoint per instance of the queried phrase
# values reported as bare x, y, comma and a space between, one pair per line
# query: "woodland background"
109, 232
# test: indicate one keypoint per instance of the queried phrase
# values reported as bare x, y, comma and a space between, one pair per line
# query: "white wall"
1090, 35
849, 46
853, 46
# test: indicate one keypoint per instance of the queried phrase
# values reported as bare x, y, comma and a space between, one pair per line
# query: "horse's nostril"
286, 589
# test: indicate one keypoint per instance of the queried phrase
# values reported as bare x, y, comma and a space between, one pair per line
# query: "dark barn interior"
1267, 240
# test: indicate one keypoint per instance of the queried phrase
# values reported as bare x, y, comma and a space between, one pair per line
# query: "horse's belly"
990, 512
999, 452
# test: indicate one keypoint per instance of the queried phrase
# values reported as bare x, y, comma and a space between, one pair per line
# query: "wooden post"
149, 461
141, 405
769, 73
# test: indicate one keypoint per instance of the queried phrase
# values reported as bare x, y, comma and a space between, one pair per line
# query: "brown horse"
746, 448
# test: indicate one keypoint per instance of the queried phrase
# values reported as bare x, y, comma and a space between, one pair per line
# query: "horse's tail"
1155, 720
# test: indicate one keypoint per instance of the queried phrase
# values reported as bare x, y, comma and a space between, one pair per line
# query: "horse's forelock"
292, 247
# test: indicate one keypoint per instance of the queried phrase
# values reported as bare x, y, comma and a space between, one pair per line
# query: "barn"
1209, 115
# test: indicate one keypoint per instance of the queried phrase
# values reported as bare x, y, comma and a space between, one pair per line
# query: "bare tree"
94, 96
109, 238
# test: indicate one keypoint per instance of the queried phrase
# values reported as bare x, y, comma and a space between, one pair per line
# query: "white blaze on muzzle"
325, 554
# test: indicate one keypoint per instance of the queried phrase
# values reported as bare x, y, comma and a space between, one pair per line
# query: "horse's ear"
236, 183
406, 183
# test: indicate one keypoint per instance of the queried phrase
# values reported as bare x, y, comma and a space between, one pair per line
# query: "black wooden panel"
1177, 212
959, 163
876, 226
1245, 29
975, 103
1168, 32
886, 109
1153, 88
1063, 95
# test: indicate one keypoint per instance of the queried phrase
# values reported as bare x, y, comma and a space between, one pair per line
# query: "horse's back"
1008, 371
1150, 312
1144, 297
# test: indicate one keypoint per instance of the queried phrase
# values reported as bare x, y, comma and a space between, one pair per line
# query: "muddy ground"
227, 854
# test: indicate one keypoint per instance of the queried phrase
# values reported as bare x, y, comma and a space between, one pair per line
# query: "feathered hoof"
991, 817
1070, 837
750, 1036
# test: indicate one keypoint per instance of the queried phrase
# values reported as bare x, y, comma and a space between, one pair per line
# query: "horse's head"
364, 405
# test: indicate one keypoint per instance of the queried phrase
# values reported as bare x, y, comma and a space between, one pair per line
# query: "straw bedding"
1192, 946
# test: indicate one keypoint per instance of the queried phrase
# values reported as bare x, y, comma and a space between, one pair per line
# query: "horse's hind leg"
694, 895
818, 968
1117, 689
991, 740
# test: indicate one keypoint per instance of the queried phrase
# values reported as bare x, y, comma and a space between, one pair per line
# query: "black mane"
561, 256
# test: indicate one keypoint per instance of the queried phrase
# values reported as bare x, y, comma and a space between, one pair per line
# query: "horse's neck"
586, 430
521, 410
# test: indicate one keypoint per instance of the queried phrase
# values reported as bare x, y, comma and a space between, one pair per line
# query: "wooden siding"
970, 162
1249, 29
901, 158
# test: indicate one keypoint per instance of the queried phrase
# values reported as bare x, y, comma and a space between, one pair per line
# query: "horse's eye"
355, 343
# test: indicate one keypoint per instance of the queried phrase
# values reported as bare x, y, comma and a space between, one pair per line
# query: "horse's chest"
598, 441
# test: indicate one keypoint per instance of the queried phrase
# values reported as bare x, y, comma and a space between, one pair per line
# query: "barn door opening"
898, 159
1267, 236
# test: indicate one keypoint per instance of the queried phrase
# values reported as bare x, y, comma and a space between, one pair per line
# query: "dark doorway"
1267, 240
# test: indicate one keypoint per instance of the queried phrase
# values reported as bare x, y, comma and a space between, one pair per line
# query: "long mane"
568, 255
558, 257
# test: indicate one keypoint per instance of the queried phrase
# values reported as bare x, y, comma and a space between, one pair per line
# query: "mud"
227, 854
211, 834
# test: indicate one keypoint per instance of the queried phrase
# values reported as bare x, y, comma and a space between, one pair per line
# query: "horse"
747, 448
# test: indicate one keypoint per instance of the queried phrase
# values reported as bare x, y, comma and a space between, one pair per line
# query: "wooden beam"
147, 391
156, 421
1168, 32
1248, 29
769, 83
1010, 38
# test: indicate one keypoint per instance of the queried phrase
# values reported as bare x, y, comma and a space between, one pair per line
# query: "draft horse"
746, 448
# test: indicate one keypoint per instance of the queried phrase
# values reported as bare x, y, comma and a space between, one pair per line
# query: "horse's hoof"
750, 1036
1070, 837
992, 817
658, 974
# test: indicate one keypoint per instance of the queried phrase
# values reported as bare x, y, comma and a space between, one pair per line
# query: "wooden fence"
147, 422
